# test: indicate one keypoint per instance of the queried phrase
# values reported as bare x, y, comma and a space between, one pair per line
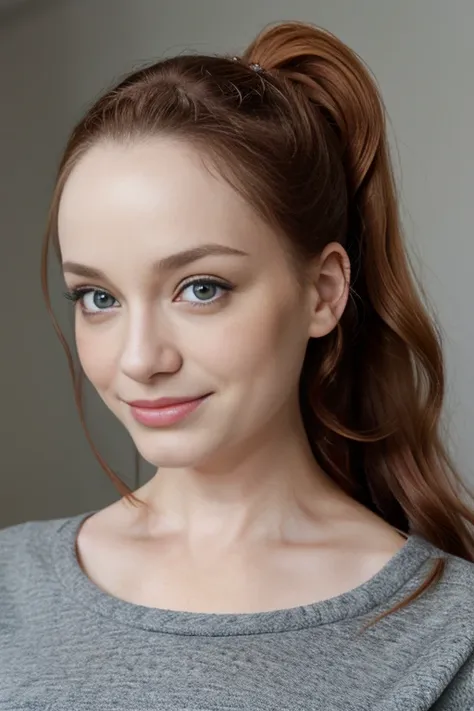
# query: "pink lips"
165, 411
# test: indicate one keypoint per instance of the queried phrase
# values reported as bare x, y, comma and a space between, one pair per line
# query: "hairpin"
254, 66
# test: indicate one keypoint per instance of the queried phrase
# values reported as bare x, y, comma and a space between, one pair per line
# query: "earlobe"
330, 290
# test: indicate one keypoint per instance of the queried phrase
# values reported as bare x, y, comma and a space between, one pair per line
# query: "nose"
148, 349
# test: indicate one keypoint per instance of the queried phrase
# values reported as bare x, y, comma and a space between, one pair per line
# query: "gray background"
57, 55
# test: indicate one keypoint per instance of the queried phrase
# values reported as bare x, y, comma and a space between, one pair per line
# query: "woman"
304, 544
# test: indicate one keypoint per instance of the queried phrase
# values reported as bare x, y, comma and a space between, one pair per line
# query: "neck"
270, 490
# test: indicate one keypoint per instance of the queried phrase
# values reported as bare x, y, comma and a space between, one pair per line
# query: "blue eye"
92, 301
203, 291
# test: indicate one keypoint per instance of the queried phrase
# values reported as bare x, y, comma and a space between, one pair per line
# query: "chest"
169, 577
101, 667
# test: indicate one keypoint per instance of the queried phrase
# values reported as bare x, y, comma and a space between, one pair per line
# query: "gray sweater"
66, 645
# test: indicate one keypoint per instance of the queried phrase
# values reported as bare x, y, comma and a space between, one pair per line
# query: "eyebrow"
167, 264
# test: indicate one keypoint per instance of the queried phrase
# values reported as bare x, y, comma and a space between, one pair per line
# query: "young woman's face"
184, 292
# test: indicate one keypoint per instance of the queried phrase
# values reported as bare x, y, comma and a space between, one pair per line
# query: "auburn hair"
302, 136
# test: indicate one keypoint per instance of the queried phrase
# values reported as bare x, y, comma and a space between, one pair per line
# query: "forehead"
155, 192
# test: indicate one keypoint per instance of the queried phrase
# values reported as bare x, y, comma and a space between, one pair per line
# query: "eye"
92, 301
204, 291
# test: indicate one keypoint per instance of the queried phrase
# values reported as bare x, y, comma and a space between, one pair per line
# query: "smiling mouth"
164, 412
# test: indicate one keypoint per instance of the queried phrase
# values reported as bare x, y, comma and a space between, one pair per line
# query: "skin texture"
239, 513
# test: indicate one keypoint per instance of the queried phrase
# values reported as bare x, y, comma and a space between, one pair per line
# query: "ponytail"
380, 390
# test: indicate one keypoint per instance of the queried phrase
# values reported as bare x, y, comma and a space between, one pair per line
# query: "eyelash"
76, 295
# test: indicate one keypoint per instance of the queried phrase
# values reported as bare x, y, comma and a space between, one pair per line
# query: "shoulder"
20, 533
458, 574
28, 577
447, 603
24, 547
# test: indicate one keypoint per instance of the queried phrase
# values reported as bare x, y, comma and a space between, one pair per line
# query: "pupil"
201, 291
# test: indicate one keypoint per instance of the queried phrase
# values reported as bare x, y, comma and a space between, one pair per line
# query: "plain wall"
57, 55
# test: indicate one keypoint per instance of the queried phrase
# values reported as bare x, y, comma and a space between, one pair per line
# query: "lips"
164, 411
163, 402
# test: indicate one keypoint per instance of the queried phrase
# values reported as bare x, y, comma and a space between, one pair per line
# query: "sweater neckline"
379, 591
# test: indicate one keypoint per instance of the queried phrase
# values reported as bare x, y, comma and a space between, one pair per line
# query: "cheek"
96, 356
261, 342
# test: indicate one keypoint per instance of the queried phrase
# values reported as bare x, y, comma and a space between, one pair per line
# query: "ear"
329, 279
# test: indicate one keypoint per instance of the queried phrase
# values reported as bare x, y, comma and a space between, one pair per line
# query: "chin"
175, 450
